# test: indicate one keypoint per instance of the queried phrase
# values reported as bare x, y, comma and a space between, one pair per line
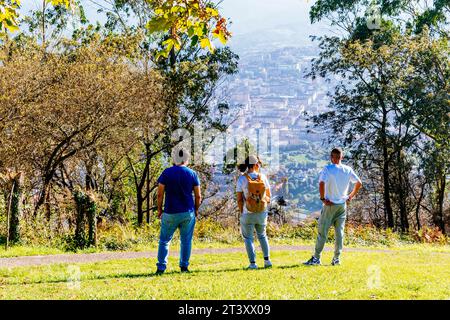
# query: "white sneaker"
267, 264
252, 266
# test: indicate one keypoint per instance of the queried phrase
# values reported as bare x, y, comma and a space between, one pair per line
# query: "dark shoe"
252, 266
159, 272
184, 270
312, 262
335, 262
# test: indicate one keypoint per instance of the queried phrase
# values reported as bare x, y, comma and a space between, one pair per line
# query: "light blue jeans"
169, 224
258, 222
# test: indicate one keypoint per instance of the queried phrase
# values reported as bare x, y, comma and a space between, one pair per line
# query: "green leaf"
194, 40
191, 32
157, 25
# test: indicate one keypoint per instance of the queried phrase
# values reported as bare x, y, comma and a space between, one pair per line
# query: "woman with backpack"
253, 197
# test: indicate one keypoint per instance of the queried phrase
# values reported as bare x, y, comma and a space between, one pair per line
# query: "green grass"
399, 274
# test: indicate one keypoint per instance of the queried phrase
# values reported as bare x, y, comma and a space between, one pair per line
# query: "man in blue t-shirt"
177, 185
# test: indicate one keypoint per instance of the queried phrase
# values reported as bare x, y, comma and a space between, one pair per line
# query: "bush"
112, 243
69, 243
430, 235
116, 236
213, 231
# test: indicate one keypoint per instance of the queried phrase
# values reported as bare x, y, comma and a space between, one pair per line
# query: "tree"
70, 107
353, 17
385, 100
237, 155
193, 84
425, 101
91, 125
196, 20
193, 75
52, 18
8, 16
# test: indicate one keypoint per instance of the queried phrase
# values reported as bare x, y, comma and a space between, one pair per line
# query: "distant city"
274, 95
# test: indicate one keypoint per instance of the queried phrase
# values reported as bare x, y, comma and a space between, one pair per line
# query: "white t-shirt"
337, 179
242, 185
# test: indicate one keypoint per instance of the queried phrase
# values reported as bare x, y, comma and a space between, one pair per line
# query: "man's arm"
268, 192
322, 194
198, 198
356, 188
161, 189
322, 189
268, 195
240, 201
323, 178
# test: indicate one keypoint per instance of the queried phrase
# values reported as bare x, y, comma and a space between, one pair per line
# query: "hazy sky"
249, 17
266, 23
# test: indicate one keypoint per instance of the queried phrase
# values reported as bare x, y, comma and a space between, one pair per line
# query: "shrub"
112, 243
430, 235
122, 237
210, 230
38, 231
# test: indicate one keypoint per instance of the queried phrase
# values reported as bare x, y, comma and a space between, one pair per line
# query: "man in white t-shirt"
334, 182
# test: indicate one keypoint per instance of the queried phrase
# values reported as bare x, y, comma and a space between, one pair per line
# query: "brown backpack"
256, 200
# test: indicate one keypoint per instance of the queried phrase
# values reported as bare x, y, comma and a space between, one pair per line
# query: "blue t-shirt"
179, 182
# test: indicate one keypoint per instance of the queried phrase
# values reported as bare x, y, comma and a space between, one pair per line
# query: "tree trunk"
419, 202
48, 212
172, 55
14, 216
386, 184
90, 207
439, 216
140, 186
86, 209
147, 147
44, 5
401, 188
91, 210
80, 235
140, 205
43, 193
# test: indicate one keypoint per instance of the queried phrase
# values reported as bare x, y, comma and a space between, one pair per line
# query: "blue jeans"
250, 222
169, 224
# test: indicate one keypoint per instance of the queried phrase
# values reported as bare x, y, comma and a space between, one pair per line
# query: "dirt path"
106, 256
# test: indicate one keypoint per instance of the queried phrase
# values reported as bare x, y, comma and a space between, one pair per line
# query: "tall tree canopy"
391, 106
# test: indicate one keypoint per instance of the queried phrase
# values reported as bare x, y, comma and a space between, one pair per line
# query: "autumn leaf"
195, 19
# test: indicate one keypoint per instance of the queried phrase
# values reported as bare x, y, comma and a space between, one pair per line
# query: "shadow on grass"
154, 275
